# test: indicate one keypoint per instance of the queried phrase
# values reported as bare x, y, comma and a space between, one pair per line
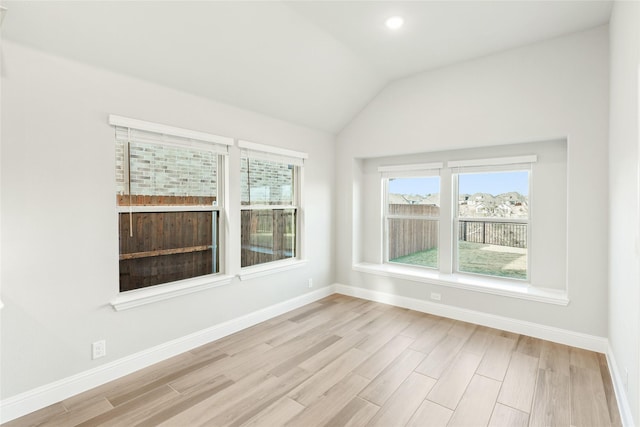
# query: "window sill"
471, 283
248, 273
138, 297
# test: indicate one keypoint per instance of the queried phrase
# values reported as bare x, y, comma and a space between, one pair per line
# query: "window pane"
492, 247
166, 246
414, 242
264, 182
493, 195
504, 259
267, 235
414, 196
162, 247
167, 174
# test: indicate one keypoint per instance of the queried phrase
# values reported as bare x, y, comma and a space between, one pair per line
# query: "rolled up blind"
272, 154
133, 130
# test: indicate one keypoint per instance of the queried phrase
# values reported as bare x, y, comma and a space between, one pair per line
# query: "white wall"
549, 90
59, 227
624, 189
59, 231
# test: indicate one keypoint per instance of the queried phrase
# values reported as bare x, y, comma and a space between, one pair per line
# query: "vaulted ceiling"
314, 63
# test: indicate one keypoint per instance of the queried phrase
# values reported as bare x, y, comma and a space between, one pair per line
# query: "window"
500, 216
492, 223
412, 216
487, 229
270, 182
169, 196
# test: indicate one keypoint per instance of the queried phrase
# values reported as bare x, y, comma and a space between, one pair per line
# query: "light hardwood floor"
343, 361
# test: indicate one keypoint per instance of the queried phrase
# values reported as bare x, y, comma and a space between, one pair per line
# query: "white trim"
224, 237
300, 214
499, 161
622, 399
32, 400
423, 217
252, 146
406, 168
493, 219
514, 289
549, 333
1, 305
260, 270
138, 297
166, 208
266, 207
422, 173
127, 122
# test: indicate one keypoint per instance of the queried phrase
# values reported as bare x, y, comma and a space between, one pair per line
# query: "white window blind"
133, 130
498, 161
272, 154
493, 164
401, 171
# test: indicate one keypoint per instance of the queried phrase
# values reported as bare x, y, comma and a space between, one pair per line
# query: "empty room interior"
320, 213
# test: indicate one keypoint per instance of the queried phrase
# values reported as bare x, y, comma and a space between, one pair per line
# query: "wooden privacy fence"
408, 236
267, 235
161, 247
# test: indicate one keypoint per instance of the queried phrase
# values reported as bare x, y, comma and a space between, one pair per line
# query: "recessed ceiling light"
394, 23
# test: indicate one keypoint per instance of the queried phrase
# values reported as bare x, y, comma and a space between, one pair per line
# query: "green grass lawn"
477, 258
428, 258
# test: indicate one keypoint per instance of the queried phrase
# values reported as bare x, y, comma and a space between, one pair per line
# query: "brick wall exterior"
271, 183
172, 171
166, 170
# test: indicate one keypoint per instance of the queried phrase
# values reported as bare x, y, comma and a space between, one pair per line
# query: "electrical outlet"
310, 283
436, 296
99, 349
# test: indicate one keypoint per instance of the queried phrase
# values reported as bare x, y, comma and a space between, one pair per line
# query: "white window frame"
449, 218
446, 277
407, 171
480, 166
297, 159
142, 131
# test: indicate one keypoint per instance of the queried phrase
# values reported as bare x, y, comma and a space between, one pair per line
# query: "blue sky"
422, 185
493, 183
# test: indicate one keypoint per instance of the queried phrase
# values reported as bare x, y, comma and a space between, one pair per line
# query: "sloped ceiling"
314, 63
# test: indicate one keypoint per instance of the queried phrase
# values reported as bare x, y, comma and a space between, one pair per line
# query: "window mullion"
385, 220
266, 207
447, 212
425, 217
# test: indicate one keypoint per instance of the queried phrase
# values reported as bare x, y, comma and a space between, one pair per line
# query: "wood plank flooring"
343, 361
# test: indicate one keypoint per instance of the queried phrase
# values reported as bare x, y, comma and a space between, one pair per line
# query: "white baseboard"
620, 390
549, 333
32, 400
